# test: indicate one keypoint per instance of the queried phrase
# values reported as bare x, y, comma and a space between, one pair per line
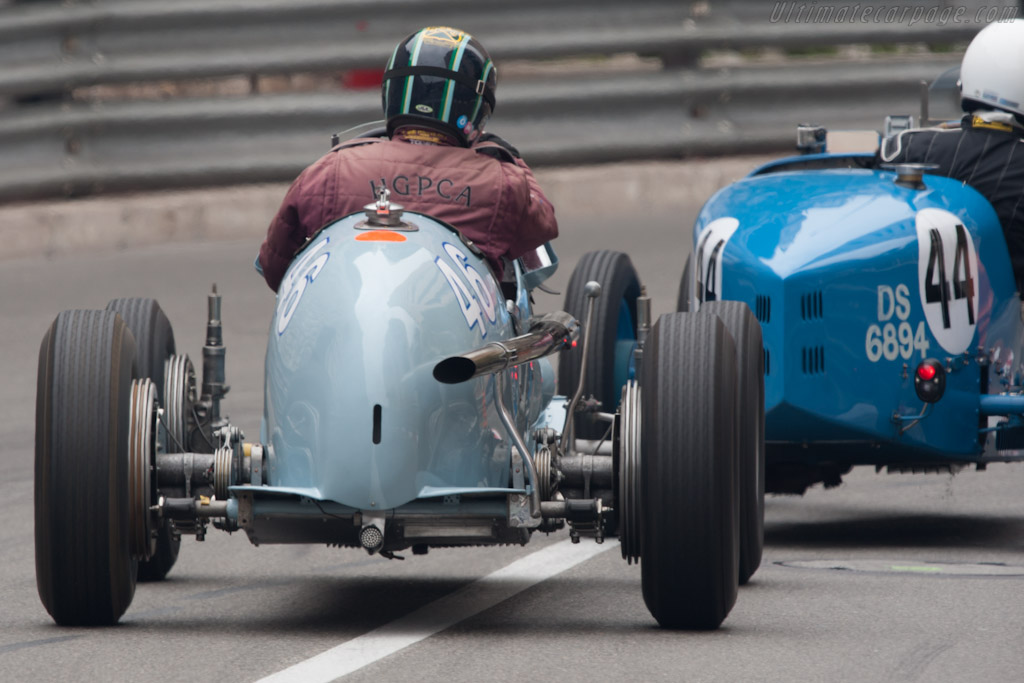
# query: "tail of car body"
857, 276
353, 414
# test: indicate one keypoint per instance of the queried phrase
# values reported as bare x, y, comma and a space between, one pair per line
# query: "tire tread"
690, 550
85, 573
746, 331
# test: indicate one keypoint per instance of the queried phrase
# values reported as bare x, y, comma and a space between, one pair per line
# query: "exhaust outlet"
371, 538
553, 332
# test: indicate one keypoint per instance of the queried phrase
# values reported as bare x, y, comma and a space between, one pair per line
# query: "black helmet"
441, 78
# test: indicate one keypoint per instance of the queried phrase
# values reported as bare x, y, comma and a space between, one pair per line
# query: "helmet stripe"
480, 98
387, 86
407, 97
454, 65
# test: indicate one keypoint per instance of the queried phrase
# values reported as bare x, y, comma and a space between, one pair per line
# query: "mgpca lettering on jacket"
419, 186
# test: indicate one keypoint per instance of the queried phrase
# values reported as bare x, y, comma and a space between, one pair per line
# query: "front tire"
85, 572
690, 549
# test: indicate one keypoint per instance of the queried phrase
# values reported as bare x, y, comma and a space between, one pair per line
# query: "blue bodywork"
855, 279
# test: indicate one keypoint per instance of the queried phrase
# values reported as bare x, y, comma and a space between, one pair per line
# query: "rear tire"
683, 297
154, 338
688, 479
85, 572
613, 334
153, 335
746, 332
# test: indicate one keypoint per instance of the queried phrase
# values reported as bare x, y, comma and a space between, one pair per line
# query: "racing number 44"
936, 285
947, 267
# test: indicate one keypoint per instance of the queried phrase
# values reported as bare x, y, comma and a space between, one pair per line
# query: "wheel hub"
140, 458
179, 398
630, 518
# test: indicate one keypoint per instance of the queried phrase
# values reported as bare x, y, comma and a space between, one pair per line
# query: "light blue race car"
409, 405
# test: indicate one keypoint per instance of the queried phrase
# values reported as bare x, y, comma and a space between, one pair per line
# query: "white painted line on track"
464, 603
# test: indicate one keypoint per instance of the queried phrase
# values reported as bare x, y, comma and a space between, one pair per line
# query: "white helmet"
992, 73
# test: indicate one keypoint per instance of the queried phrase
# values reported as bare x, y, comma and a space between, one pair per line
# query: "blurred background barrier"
112, 96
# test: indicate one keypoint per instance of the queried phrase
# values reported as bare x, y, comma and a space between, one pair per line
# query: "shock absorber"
214, 387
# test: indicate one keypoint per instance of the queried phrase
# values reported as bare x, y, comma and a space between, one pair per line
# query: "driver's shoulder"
911, 143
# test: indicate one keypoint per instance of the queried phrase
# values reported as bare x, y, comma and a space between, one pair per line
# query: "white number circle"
707, 259
300, 275
948, 278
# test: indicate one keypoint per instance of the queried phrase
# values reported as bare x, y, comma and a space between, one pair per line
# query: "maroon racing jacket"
486, 192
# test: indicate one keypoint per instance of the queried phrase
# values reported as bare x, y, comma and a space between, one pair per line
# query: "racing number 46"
475, 300
936, 284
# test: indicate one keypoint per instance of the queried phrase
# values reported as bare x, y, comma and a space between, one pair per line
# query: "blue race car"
890, 314
409, 404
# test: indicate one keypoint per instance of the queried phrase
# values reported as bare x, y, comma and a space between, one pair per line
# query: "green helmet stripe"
387, 88
454, 65
480, 98
407, 97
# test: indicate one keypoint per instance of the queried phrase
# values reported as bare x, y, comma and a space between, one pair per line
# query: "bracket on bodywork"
905, 422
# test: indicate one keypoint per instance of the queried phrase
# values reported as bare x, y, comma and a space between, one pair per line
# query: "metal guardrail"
55, 146
58, 50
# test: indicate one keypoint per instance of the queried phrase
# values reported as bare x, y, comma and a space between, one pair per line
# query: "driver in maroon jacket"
438, 94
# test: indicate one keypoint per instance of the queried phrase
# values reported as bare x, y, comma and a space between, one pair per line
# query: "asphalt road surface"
887, 578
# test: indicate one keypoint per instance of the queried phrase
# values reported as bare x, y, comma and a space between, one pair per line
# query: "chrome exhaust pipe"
551, 333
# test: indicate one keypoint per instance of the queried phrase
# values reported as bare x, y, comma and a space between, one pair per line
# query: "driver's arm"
537, 224
301, 213
284, 237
